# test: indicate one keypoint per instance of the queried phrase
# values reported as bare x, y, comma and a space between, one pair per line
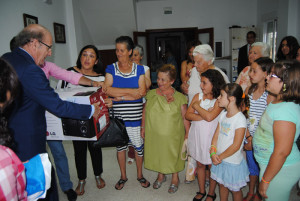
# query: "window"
270, 35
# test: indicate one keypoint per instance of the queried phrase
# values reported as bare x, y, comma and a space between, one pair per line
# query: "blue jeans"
61, 164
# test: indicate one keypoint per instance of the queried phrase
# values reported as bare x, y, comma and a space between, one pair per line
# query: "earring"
284, 87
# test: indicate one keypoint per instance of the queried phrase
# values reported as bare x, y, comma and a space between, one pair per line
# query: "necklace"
170, 99
127, 74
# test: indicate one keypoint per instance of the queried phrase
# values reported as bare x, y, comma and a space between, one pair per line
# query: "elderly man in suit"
244, 51
27, 120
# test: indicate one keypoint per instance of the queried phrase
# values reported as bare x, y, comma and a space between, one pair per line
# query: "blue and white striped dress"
257, 108
129, 111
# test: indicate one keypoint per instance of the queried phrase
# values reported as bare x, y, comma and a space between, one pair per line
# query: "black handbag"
115, 135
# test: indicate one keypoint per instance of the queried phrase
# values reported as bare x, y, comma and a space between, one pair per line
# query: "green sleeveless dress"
164, 133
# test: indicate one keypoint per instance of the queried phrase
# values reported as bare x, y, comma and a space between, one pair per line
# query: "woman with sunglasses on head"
88, 64
274, 142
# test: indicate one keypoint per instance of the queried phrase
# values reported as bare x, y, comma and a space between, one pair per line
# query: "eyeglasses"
49, 46
273, 75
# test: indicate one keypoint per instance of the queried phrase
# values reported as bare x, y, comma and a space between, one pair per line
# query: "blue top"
263, 140
126, 80
130, 110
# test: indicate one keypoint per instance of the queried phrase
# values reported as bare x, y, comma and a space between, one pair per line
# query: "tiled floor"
132, 190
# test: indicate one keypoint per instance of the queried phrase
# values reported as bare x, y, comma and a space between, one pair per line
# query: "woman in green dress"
164, 128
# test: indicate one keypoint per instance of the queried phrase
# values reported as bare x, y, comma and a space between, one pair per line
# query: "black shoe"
71, 194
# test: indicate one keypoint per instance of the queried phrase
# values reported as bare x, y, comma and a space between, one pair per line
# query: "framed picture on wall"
59, 33
29, 19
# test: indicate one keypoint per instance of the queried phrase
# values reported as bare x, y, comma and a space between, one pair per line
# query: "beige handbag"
191, 163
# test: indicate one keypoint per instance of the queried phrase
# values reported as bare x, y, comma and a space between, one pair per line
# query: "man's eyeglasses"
49, 46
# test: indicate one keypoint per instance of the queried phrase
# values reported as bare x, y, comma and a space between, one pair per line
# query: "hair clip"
284, 87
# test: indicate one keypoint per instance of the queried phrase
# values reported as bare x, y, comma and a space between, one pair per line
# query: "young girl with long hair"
259, 99
203, 112
229, 167
274, 142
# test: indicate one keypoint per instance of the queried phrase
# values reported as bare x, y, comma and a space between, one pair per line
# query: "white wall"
11, 23
220, 14
287, 13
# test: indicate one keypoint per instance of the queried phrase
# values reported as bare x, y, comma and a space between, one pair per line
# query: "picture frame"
29, 19
59, 33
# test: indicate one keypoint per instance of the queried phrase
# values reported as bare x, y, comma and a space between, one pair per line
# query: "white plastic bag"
38, 176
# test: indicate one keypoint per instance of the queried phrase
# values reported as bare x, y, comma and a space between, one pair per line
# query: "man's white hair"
205, 51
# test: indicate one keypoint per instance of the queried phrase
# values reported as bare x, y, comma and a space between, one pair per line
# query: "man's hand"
97, 110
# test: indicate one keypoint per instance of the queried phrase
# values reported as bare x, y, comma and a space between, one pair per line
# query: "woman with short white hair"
204, 60
258, 49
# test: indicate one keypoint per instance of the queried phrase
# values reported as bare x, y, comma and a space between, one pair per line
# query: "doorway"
169, 46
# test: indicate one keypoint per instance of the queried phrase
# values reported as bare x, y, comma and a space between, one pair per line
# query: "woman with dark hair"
274, 142
203, 112
91, 73
12, 170
125, 82
188, 64
87, 65
287, 49
298, 54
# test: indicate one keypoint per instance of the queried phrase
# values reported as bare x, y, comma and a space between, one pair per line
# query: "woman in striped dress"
125, 82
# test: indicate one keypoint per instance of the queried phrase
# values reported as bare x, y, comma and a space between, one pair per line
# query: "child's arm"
190, 114
237, 141
248, 146
214, 157
208, 115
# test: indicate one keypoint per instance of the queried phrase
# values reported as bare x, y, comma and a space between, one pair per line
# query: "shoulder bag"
115, 135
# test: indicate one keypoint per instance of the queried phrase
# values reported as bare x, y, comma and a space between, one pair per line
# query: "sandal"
80, 188
213, 197
199, 199
130, 161
99, 182
143, 181
256, 197
157, 184
248, 195
120, 182
173, 188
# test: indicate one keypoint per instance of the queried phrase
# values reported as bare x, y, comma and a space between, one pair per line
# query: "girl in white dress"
203, 112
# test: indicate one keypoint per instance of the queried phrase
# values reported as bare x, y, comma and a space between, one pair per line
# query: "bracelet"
213, 153
262, 179
213, 146
122, 97
92, 83
248, 137
214, 149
